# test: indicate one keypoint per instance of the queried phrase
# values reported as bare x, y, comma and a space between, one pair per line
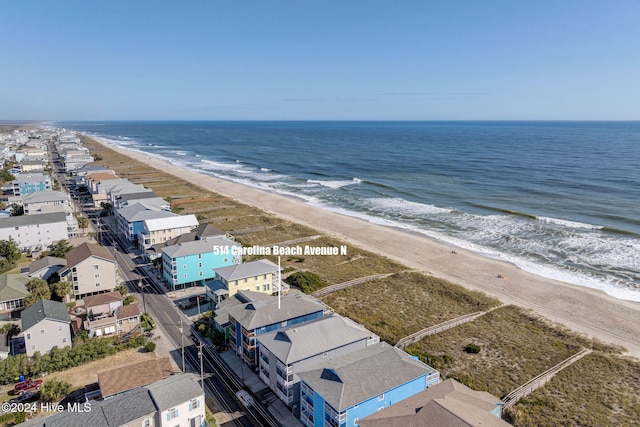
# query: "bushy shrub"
150, 346
306, 281
472, 348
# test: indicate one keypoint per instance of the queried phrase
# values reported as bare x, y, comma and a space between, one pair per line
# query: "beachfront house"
192, 263
45, 325
286, 351
247, 315
257, 276
91, 269
35, 232
448, 403
159, 230
26, 183
13, 290
130, 219
341, 391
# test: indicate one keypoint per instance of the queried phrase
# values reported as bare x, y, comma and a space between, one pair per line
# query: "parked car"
26, 397
245, 398
28, 385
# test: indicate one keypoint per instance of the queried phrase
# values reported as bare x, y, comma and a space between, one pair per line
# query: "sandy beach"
581, 309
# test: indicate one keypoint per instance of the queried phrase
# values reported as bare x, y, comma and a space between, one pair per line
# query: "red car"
27, 385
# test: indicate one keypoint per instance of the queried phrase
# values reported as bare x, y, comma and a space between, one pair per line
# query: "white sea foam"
219, 166
334, 184
181, 153
265, 169
570, 224
404, 207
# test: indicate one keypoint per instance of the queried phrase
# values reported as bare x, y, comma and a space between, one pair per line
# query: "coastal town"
228, 316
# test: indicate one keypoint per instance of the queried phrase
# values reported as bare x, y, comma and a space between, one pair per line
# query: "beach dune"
584, 310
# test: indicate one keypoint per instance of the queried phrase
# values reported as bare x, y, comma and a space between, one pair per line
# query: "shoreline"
582, 309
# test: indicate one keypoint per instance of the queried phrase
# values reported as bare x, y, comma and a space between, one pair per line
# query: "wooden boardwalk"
338, 286
537, 382
431, 330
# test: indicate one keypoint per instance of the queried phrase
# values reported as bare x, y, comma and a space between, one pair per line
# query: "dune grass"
516, 346
404, 303
598, 390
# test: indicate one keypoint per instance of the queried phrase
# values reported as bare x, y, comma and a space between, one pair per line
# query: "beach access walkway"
338, 286
440, 327
537, 382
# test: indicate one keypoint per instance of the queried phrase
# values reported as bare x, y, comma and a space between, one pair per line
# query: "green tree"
6, 176
10, 330
60, 249
16, 209
60, 290
56, 185
39, 289
3, 205
9, 249
108, 208
122, 288
150, 346
54, 390
83, 222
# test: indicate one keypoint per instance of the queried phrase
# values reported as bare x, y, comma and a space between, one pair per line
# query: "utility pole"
182, 343
144, 304
201, 355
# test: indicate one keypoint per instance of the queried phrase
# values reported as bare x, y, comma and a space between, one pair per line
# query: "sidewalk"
275, 406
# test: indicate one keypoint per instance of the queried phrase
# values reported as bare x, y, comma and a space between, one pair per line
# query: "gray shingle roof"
256, 314
314, 337
197, 247
129, 406
141, 211
174, 390
246, 269
348, 380
46, 218
238, 299
448, 403
44, 309
13, 286
46, 262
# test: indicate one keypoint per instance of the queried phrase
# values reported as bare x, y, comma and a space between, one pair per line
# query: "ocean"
559, 199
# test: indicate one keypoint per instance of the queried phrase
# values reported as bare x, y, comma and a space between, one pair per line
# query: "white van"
245, 398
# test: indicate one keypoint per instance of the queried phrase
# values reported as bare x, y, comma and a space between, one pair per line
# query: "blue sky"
306, 60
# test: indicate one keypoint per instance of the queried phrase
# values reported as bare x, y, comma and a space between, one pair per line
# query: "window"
194, 404
172, 413
200, 273
265, 287
28, 336
96, 266
97, 276
381, 397
64, 340
185, 275
199, 256
200, 264
33, 347
146, 422
60, 327
41, 331
245, 280
355, 421
257, 288
98, 285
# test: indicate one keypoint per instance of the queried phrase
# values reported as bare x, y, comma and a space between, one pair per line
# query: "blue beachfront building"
247, 315
341, 391
192, 263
